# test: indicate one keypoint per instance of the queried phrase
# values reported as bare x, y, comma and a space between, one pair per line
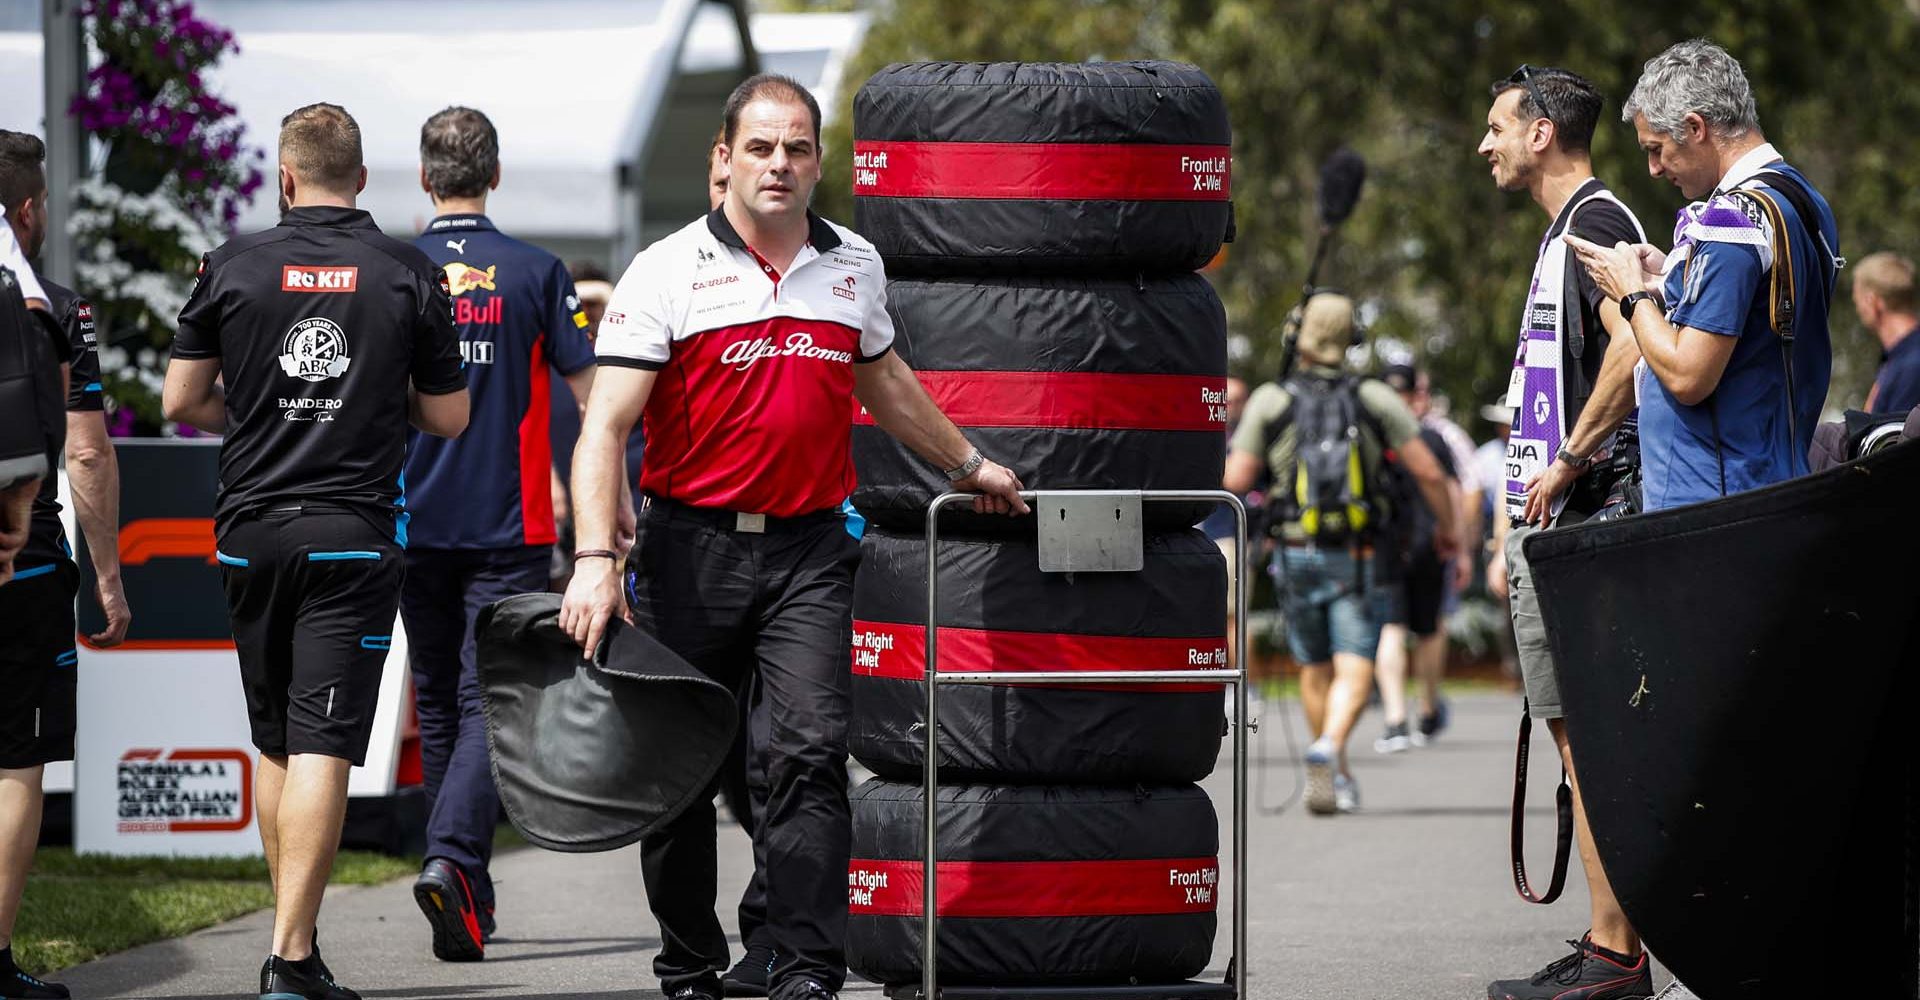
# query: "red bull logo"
463, 278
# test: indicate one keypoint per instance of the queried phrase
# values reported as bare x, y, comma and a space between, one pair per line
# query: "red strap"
1090, 400
897, 651
1036, 888
1041, 170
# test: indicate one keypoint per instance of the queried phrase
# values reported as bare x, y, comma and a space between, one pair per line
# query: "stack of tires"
1041, 224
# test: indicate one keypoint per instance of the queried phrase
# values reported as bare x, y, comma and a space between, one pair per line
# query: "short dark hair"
771, 85
21, 175
322, 144
460, 152
1573, 105
586, 270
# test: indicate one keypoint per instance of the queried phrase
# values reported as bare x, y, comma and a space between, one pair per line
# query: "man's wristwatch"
967, 468
1627, 304
1574, 460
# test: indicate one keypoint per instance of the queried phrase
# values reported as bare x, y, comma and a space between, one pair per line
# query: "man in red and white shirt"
745, 339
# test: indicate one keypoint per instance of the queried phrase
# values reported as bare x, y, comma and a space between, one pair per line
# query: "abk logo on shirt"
303, 278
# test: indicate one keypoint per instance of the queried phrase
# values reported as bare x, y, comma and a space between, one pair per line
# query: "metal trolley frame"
1089, 531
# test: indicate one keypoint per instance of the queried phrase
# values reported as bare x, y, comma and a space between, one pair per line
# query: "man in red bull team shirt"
484, 519
745, 339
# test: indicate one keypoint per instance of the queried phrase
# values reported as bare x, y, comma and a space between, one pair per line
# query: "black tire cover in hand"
1073, 383
1693, 646
592, 757
998, 611
1039, 885
1030, 168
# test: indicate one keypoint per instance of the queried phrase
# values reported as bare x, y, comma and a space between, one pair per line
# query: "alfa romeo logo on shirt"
315, 350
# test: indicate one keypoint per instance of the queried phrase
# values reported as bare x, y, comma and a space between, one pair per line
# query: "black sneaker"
1590, 973
307, 979
14, 983
444, 897
748, 977
803, 989
704, 989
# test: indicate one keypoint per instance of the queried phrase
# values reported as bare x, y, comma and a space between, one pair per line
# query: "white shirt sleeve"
637, 328
15, 260
876, 325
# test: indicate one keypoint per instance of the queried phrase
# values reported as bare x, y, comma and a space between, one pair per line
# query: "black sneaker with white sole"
750, 975
802, 989
307, 979
1589, 973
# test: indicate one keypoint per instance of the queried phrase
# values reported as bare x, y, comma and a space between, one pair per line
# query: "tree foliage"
1439, 255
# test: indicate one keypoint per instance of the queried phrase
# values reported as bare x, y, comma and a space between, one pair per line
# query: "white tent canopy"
603, 106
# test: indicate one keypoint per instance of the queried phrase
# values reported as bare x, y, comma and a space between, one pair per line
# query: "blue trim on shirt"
376, 642
341, 556
28, 574
229, 560
67, 659
90, 387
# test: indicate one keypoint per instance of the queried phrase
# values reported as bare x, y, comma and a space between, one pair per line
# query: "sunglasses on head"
1523, 77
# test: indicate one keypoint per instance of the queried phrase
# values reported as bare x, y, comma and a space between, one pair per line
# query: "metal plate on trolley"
1090, 532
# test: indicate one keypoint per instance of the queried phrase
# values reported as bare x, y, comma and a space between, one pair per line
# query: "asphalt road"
1411, 898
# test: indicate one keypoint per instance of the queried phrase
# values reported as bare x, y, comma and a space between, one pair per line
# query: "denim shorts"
1328, 608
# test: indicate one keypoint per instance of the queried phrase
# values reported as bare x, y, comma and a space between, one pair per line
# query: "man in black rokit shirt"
328, 337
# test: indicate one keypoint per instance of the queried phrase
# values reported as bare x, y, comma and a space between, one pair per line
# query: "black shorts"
1423, 593
37, 666
313, 593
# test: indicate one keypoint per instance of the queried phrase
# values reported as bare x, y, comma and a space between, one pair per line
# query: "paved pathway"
1409, 899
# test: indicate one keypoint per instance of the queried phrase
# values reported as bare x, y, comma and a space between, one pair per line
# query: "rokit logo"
184, 791
315, 350
744, 353
304, 278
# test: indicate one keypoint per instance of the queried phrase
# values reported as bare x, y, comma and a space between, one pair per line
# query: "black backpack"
32, 420
1330, 491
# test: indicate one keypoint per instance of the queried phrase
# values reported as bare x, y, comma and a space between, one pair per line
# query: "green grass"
80, 907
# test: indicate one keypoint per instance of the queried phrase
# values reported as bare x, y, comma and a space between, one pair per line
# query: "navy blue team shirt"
519, 322
1898, 384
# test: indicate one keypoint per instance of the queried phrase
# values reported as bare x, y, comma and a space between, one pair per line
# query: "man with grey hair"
484, 523
1735, 366
1731, 385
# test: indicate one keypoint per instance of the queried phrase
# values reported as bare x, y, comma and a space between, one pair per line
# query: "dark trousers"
743, 786
444, 592
775, 608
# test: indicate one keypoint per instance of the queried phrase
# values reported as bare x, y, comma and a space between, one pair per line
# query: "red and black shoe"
445, 898
1590, 973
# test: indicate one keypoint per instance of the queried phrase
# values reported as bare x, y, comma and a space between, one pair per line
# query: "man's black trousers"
775, 607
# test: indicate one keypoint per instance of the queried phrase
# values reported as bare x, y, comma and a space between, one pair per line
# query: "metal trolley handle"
1090, 531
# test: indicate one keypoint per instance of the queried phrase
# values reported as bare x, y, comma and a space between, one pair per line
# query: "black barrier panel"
1738, 679
167, 561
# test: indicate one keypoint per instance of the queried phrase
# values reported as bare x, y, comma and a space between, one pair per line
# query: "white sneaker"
1346, 794
1320, 779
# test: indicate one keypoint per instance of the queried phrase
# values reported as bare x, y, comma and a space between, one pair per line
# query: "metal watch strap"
967, 468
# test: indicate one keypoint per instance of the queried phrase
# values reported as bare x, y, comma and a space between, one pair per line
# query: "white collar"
1743, 169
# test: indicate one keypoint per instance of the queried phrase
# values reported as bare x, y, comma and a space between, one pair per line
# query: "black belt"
731, 520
